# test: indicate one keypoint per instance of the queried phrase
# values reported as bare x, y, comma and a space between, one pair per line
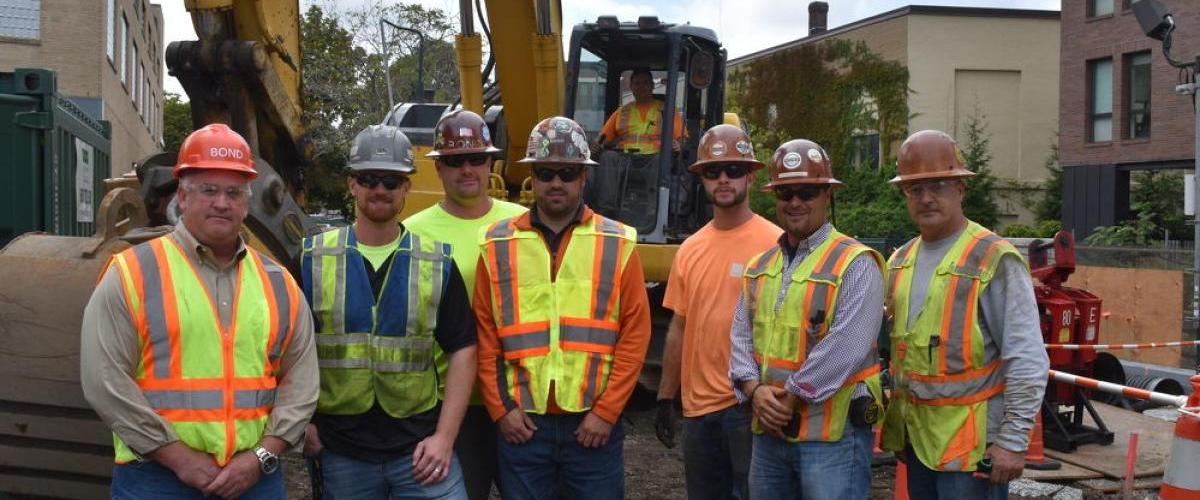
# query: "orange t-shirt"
610, 126
703, 288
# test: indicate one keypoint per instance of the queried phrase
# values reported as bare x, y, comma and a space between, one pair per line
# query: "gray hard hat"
382, 147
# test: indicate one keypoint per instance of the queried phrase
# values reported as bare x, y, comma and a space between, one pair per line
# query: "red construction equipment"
1181, 480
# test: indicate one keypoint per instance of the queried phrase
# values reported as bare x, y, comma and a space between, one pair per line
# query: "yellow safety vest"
785, 331
558, 331
943, 376
640, 133
214, 383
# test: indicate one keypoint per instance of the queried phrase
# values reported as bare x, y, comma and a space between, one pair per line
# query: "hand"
236, 477
516, 427
593, 432
312, 441
1006, 465
431, 459
772, 414
664, 422
193, 468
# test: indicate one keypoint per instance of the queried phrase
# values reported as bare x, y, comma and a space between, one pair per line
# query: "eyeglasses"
567, 174
211, 192
805, 193
713, 171
474, 160
917, 190
389, 182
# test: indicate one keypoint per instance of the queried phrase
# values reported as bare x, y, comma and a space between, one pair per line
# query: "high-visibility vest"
559, 331
943, 375
786, 330
214, 383
370, 350
637, 132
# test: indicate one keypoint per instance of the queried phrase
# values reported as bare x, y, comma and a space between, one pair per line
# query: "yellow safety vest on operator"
559, 331
785, 331
943, 375
640, 133
370, 350
214, 383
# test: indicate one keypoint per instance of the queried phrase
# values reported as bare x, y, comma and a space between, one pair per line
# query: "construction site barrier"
1115, 347
1180, 480
1121, 390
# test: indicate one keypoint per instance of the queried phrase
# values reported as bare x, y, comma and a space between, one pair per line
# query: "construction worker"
463, 154
804, 341
196, 350
702, 290
968, 363
636, 127
564, 324
383, 298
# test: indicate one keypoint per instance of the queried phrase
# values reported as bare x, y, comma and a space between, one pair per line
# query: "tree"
177, 121
1049, 208
1160, 193
979, 202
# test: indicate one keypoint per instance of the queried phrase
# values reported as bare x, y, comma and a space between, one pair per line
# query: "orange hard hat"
215, 147
558, 140
461, 132
801, 161
930, 154
725, 143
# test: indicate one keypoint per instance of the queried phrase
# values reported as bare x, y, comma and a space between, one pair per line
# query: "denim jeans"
149, 480
927, 484
476, 450
553, 460
812, 470
716, 454
345, 478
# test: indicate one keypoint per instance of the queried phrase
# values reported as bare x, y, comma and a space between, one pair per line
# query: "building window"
136, 79
123, 61
864, 150
21, 19
1137, 94
1097, 8
1100, 79
111, 49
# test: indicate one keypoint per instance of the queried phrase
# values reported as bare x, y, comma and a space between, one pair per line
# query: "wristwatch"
267, 461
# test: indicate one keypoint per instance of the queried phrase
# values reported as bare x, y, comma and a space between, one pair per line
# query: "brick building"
108, 55
1119, 112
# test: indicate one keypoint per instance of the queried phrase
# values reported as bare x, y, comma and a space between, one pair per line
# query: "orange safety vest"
214, 383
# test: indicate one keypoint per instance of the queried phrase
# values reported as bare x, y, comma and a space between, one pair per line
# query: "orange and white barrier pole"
1117, 347
1120, 390
1180, 480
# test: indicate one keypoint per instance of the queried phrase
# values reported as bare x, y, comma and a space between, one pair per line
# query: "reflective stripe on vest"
559, 331
638, 133
193, 370
787, 328
375, 349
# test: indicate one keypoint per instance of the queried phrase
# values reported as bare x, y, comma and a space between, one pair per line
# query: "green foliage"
177, 121
1043, 229
869, 206
979, 202
1160, 193
1141, 231
1049, 207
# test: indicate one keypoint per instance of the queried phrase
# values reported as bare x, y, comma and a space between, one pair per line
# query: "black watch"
267, 462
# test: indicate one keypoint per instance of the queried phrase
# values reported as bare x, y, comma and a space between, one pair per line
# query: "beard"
738, 198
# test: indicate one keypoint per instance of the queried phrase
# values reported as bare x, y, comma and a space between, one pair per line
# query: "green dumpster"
53, 158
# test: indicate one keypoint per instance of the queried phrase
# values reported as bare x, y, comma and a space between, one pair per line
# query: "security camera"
1156, 21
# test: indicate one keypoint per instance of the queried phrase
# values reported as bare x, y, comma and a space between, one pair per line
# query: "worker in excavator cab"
968, 362
196, 350
636, 127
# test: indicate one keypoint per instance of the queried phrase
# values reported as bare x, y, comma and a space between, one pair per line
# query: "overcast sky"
743, 26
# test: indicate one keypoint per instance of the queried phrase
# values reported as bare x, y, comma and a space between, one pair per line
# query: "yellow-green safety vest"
640, 133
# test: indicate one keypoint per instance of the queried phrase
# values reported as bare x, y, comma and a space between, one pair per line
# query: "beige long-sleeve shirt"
109, 353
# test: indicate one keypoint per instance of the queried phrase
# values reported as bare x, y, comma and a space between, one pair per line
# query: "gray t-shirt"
1010, 323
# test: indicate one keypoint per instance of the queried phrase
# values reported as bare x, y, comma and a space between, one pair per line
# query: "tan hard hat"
725, 143
558, 140
930, 154
801, 161
461, 132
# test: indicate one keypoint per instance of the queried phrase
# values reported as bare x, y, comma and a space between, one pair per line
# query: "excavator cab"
650, 190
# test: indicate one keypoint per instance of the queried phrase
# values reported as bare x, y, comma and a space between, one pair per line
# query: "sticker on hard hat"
717, 149
562, 125
224, 152
793, 160
466, 132
815, 155
743, 147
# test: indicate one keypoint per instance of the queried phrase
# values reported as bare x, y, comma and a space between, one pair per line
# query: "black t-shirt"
375, 436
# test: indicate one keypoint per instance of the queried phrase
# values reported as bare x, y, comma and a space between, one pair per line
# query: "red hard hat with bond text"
215, 147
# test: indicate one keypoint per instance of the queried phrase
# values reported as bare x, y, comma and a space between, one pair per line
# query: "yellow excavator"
245, 70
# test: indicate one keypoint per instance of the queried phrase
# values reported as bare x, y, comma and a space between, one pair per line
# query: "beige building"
1001, 63
108, 55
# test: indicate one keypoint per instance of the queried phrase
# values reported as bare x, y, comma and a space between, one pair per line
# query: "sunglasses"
917, 190
732, 171
567, 174
474, 160
805, 193
389, 182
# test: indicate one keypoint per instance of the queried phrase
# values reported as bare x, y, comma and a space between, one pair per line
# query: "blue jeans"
553, 460
476, 451
147, 480
925, 483
813, 470
345, 478
716, 454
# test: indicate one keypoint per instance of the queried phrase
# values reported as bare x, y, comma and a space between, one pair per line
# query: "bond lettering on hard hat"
215, 147
461, 132
801, 161
725, 143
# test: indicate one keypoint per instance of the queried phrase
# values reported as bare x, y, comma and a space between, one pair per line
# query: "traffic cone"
1181, 481
1035, 455
901, 486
